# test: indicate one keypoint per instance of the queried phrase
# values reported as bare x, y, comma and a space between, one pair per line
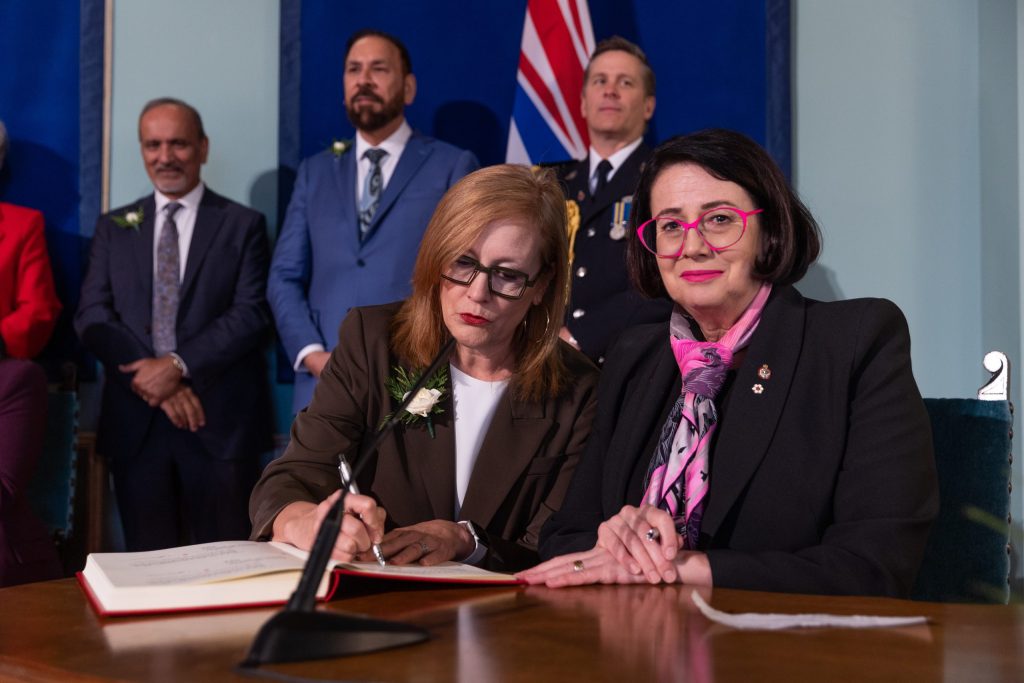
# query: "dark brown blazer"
519, 479
822, 474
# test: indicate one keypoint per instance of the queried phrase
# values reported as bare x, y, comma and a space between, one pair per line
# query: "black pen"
345, 472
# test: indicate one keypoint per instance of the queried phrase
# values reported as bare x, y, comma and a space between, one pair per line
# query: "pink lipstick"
700, 275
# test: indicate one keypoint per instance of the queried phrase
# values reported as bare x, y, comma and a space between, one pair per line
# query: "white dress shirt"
616, 160
394, 145
185, 219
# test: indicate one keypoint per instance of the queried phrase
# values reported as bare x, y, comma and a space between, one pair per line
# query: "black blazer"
600, 283
222, 328
822, 482
520, 475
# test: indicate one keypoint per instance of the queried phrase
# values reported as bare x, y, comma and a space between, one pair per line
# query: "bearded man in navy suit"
173, 304
356, 216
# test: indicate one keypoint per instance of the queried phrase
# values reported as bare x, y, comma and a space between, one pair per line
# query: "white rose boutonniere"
425, 404
131, 219
339, 147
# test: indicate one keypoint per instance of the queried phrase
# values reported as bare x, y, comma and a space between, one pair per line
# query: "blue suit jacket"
222, 327
321, 269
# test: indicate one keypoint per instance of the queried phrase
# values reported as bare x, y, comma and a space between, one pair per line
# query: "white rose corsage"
131, 219
425, 403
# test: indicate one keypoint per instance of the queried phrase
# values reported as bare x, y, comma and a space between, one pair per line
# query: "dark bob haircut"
790, 238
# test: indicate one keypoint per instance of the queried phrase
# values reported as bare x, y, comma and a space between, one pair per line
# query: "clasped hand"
154, 379
627, 553
157, 381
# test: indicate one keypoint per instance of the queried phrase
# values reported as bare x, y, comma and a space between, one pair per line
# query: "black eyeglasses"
507, 283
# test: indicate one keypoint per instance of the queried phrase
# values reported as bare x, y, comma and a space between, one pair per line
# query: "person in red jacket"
28, 313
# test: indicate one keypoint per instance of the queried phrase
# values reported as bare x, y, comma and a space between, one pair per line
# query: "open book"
232, 574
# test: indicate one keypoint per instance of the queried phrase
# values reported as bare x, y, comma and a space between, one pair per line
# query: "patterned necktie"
603, 169
372, 187
166, 285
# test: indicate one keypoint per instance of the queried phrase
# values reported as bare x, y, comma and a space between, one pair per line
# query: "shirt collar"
393, 144
190, 201
615, 160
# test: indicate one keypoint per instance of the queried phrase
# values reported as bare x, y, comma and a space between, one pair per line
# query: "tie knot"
374, 155
172, 209
703, 365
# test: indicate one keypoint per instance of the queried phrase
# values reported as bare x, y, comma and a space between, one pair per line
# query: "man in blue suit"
173, 303
358, 210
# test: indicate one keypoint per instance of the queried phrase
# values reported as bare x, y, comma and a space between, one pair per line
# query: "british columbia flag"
546, 121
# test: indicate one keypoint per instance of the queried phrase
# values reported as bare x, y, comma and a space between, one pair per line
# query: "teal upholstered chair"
52, 489
967, 558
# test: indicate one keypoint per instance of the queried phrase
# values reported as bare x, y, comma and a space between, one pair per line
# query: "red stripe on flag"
541, 88
557, 42
574, 10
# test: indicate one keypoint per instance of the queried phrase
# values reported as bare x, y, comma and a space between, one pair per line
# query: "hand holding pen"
348, 483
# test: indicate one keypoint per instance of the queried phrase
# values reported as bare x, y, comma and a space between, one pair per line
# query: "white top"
185, 219
475, 402
616, 160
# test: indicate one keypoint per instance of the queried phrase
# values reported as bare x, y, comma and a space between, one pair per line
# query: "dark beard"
369, 120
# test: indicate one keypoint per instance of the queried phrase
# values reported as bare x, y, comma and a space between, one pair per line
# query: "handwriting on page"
197, 564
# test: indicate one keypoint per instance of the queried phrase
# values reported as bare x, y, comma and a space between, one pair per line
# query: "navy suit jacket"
822, 475
223, 325
602, 302
321, 268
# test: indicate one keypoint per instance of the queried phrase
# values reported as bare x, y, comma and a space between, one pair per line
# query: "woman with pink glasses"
758, 440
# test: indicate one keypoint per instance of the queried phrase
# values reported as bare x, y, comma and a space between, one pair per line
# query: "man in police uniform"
617, 102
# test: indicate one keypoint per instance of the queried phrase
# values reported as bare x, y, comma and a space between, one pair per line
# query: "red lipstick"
471, 319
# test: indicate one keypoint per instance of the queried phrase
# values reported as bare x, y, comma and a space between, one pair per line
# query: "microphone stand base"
298, 636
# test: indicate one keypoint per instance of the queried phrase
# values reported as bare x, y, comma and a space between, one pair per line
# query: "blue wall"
709, 59
39, 104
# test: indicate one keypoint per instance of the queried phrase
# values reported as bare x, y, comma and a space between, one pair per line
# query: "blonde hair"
503, 192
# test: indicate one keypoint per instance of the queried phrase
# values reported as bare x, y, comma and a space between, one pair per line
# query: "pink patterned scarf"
678, 477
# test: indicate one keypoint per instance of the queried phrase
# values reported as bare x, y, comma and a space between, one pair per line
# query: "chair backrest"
967, 558
52, 489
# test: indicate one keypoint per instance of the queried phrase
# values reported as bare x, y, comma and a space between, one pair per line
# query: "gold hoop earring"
547, 323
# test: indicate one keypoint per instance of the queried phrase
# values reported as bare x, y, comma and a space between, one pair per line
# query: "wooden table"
600, 633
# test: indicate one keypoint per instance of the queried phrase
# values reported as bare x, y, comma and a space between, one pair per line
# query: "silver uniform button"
581, 271
591, 232
578, 313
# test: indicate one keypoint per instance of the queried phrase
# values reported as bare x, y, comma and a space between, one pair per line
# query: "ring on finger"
652, 535
577, 566
424, 548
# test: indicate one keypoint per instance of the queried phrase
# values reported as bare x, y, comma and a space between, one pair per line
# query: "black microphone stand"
300, 632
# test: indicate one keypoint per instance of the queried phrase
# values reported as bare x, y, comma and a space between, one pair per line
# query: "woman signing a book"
483, 455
